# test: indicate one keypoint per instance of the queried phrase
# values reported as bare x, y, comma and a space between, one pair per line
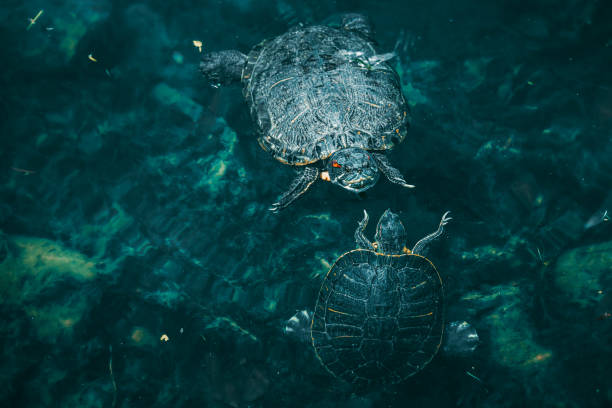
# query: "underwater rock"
217, 176
94, 394
235, 386
416, 78
210, 168
584, 274
146, 45
505, 318
169, 295
172, 97
475, 72
551, 238
235, 372
498, 148
107, 225
224, 323
512, 255
142, 337
35, 270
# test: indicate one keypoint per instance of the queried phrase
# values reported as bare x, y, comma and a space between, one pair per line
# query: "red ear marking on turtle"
335, 164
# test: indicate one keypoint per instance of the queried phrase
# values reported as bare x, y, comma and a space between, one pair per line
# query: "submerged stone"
512, 336
168, 96
584, 273
33, 269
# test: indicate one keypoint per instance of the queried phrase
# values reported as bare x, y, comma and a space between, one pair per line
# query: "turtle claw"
360, 238
421, 247
365, 220
392, 174
300, 184
445, 218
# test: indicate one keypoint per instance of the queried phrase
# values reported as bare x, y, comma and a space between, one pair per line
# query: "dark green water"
133, 204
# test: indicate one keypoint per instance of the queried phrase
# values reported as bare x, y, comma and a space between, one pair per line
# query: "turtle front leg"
389, 171
298, 186
360, 238
223, 67
421, 247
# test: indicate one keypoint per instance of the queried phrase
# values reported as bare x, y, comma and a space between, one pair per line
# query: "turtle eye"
335, 164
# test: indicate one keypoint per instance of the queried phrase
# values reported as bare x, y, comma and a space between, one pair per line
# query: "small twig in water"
474, 377
33, 20
112, 376
24, 171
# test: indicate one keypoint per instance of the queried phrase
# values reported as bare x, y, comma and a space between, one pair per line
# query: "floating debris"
474, 377
597, 218
24, 171
198, 45
112, 375
164, 338
538, 358
91, 58
33, 20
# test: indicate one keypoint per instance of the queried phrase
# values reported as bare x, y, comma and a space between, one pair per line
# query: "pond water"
140, 266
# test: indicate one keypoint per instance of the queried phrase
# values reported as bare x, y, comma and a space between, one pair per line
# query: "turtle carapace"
324, 101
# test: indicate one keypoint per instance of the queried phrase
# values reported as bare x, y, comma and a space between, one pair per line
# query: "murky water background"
133, 205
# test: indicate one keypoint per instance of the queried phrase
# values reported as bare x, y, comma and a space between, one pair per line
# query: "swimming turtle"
323, 100
379, 316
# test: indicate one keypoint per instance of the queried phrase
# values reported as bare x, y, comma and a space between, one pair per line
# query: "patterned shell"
379, 318
312, 92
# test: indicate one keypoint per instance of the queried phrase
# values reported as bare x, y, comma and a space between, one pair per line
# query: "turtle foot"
460, 339
298, 326
445, 218
299, 185
357, 22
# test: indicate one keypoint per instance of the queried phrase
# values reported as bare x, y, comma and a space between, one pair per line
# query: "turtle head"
390, 234
353, 169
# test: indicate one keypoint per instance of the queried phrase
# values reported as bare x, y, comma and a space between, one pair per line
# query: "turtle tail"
223, 67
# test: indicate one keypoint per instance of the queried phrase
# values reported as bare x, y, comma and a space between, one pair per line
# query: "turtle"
323, 101
379, 315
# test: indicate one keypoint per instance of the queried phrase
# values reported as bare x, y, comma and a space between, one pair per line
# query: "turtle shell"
312, 91
378, 318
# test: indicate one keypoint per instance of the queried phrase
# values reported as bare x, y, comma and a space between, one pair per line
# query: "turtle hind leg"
357, 22
223, 67
298, 326
460, 339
